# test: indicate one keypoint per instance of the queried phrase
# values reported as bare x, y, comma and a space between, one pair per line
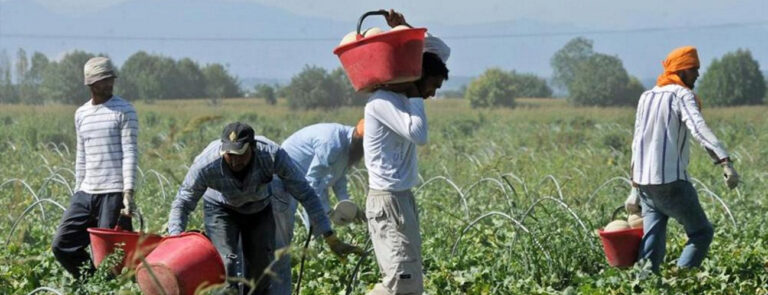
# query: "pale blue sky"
510, 34
601, 13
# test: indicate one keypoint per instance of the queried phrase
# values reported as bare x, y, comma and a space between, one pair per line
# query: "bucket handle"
367, 14
135, 214
616, 211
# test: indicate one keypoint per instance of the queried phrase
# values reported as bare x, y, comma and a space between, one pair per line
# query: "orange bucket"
622, 246
136, 245
387, 58
181, 264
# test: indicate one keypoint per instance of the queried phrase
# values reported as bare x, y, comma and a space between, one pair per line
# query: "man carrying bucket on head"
323, 152
233, 177
667, 116
395, 123
105, 168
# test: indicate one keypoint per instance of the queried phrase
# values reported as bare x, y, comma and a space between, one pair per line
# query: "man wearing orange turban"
660, 154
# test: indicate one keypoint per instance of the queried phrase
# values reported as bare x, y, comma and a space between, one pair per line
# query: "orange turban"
360, 128
682, 58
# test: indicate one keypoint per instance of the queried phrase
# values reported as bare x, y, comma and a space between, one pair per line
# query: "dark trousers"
244, 241
85, 210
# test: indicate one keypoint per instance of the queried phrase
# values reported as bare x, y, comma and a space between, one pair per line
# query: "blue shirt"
321, 152
209, 177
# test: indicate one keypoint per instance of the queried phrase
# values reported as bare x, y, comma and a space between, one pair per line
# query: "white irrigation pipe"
13, 147
518, 179
617, 178
66, 148
727, 210
41, 289
37, 199
160, 179
26, 211
44, 159
557, 184
455, 187
510, 218
498, 183
564, 205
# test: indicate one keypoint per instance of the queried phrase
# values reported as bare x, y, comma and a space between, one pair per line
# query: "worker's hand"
730, 175
632, 204
395, 19
340, 248
129, 206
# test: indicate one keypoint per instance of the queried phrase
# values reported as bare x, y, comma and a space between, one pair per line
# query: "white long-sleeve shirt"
394, 125
107, 154
666, 117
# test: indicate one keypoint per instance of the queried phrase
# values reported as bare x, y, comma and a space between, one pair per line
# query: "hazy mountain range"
262, 44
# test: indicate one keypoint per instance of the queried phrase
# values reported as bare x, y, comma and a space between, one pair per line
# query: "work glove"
340, 248
129, 206
632, 204
730, 175
345, 213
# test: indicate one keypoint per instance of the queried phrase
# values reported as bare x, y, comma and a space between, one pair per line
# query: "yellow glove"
340, 248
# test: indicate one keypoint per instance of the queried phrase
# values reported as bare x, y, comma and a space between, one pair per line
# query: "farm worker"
667, 116
232, 175
395, 123
106, 128
323, 152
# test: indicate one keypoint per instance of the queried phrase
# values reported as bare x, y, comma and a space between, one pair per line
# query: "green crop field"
509, 202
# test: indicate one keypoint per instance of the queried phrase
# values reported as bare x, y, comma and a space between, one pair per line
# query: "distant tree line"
591, 79
143, 76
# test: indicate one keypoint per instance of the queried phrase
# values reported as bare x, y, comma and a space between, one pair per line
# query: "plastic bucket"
181, 264
622, 246
136, 245
387, 58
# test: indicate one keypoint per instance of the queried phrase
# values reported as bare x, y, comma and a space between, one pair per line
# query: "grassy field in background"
509, 198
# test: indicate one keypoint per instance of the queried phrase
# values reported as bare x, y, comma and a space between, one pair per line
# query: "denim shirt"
322, 153
210, 178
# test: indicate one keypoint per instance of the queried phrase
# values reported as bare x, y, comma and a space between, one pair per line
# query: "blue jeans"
245, 243
680, 201
284, 206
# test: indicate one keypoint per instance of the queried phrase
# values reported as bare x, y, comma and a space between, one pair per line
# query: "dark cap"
236, 138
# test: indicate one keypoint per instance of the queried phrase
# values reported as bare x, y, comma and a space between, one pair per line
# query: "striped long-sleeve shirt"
666, 118
107, 153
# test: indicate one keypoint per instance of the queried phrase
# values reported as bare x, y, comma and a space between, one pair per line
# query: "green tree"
566, 61
219, 84
29, 91
495, 87
191, 81
267, 92
149, 77
735, 79
599, 81
63, 81
7, 89
349, 97
530, 85
313, 88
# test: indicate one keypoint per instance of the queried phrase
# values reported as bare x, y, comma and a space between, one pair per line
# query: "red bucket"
182, 264
387, 58
104, 241
621, 246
